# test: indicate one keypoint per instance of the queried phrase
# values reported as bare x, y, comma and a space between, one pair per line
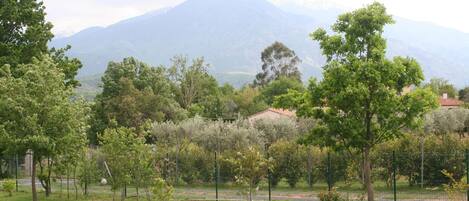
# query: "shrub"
162, 191
9, 186
330, 196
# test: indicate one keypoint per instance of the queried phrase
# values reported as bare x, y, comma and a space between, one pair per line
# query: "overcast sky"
71, 16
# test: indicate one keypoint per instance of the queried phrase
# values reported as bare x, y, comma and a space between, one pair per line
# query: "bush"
9, 186
330, 196
162, 191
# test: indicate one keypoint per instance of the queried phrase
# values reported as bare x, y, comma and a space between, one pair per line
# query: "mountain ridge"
231, 35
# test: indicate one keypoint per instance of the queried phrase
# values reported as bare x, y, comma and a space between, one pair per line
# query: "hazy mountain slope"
231, 34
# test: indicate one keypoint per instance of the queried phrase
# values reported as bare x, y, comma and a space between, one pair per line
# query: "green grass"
230, 191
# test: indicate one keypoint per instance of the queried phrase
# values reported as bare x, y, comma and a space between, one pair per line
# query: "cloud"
71, 16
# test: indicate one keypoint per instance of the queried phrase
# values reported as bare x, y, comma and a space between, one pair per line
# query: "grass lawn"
230, 192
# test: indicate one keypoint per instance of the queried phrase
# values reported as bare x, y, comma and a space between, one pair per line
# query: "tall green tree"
196, 90
24, 31
279, 87
440, 86
278, 61
359, 101
464, 94
37, 112
24, 34
133, 93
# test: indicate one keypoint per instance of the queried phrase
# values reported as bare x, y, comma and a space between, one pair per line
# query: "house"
272, 114
449, 103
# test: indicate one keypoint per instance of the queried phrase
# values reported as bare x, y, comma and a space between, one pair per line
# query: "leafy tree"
278, 61
251, 167
192, 83
126, 156
286, 162
69, 66
162, 191
275, 130
248, 101
359, 100
134, 93
464, 94
37, 112
441, 86
279, 87
9, 186
24, 34
24, 31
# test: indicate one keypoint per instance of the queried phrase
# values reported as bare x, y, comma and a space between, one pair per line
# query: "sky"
71, 16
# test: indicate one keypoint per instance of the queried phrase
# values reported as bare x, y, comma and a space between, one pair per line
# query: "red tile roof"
450, 102
283, 112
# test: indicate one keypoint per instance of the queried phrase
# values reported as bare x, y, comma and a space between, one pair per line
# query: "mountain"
231, 34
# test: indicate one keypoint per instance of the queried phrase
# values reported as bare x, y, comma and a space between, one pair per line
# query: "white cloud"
71, 16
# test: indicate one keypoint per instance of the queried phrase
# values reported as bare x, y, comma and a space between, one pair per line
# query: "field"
230, 192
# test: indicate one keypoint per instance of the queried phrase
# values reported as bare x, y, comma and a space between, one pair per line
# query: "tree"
279, 87
360, 101
24, 31
248, 101
134, 93
278, 61
464, 94
287, 162
251, 167
440, 86
192, 83
37, 112
122, 150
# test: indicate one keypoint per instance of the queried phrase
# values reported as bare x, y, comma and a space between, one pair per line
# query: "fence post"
268, 172
467, 171
394, 175
16, 171
329, 171
216, 176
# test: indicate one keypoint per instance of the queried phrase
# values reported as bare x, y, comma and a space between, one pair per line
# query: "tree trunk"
367, 175
138, 195
75, 182
250, 192
33, 178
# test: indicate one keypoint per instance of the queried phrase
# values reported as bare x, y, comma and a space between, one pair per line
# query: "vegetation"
278, 61
359, 99
152, 128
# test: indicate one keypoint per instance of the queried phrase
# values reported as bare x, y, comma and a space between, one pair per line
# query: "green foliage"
9, 186
440, 153
440, 86
278, 87
287, 162
278, 61
24, 31
251, 167
359, 100
330, 196
274, 130
443, 121
162, 191
248, 101
38, 114
134, 93
456, 189
127, 156
464, 94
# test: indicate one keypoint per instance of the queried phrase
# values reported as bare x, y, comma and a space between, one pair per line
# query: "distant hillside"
231, 34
